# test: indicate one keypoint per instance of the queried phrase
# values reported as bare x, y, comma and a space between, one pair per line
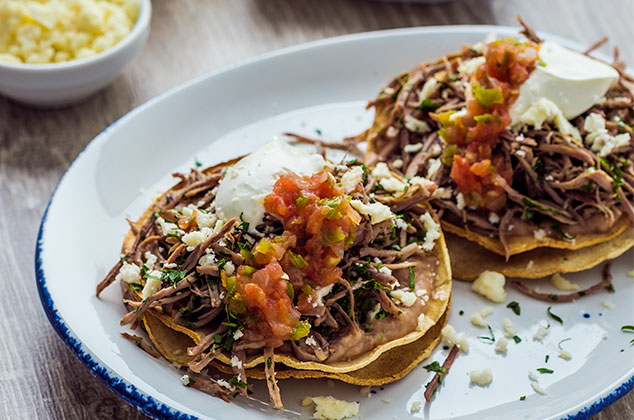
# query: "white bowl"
59, 84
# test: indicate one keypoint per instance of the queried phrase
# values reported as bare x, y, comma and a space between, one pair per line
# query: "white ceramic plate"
322, 85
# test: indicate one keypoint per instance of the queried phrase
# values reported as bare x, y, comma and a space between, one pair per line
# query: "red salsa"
277, 282
473, 135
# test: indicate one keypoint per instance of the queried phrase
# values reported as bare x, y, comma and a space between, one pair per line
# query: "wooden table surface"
39, 377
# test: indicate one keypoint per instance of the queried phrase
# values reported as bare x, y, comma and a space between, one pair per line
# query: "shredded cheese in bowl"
53, 31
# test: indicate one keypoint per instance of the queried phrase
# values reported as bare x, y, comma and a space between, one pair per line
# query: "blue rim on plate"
128, 392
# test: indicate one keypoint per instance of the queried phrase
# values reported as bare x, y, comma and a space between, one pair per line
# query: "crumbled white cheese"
194, 238
330, 408
186, 380
470, 66
540, 334
413, 148
432, 231
398, 163
537, 388
415, 407
206, 219
440, 294
561, 283
415, 126
501, 344
435, 149
352, 178
223, 383
521, 153
236, 362
400, 223
130, 273
207, 259
434, 166
152, 284
321, 293
607, 304
167, 228
378, 212
533, 376
460, 201
482, 377
393, 185
430, 87
419, 180
150, 260
494, 219
420, 322
490, 284
451, 338
477, 318
381, 171
386, 270
229, 268
509, 328
598, 137
530, 265
170, 265
311, 341
373, 312
404, 297
546, 110
566, 355
539, 234
237, 335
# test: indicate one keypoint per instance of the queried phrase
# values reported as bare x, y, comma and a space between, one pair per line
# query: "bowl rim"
140, 26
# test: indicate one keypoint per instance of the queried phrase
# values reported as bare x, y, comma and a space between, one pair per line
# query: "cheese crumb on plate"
330, 408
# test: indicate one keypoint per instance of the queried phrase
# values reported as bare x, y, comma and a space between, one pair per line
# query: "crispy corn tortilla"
524, 243
516, 244
388, 367
469, 259
436, 307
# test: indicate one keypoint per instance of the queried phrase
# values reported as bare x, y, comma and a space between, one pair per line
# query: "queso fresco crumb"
53, 31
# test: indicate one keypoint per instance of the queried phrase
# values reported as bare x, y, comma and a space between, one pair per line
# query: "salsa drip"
472, 134
277, 283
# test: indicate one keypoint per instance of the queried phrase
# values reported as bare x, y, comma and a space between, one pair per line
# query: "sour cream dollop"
246, 183
572, 81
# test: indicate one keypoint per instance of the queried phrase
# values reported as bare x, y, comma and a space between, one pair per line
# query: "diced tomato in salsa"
494, 88
319, 224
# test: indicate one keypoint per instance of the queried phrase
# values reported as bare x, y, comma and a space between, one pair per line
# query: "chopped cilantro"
553, 316
318, 131
517, 339
515, 307
492, 338
563, 341
546, 358
559, 231
545, 370
237, 382
535, 205
412, 280
428, 105
198, 163
523, 397
243, 226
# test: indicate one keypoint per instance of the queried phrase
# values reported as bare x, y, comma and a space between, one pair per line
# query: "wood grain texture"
39, 377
